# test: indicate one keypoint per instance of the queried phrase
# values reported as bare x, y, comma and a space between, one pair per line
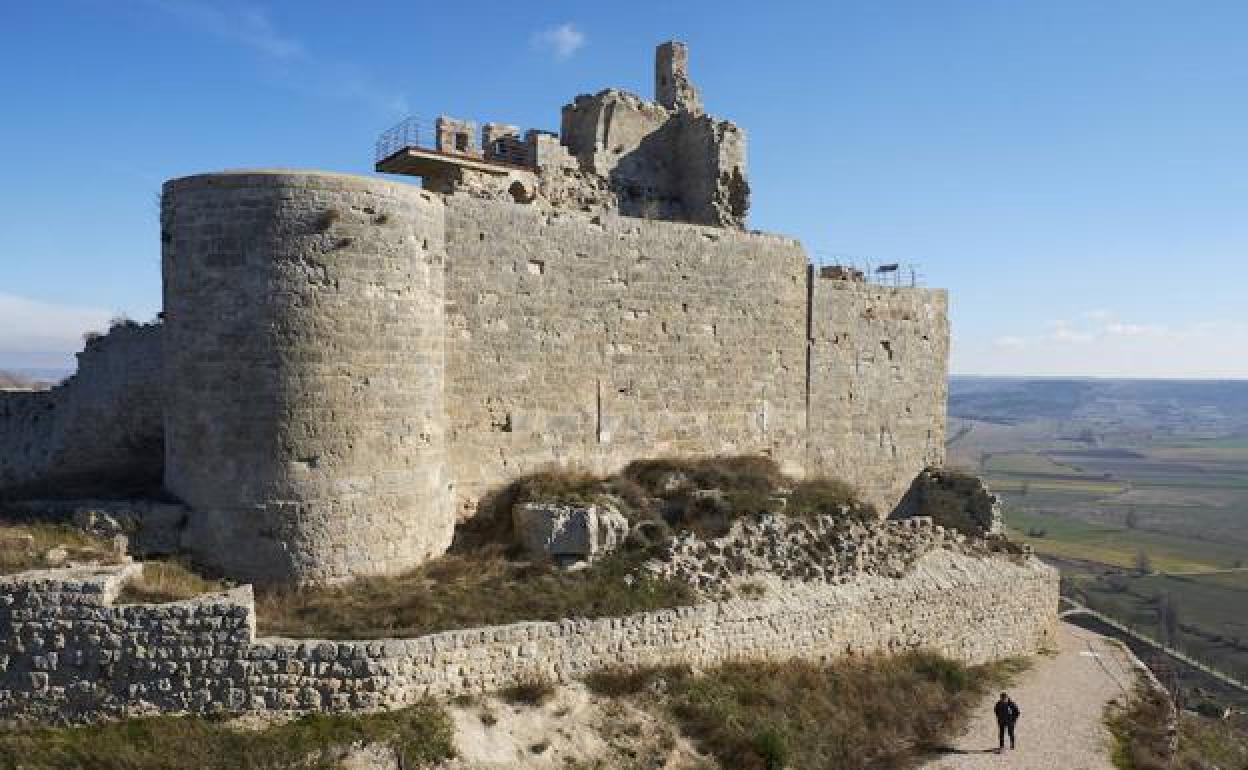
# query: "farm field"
1101, 476
1117, 546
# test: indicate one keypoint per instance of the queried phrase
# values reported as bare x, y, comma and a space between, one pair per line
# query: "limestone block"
568, 532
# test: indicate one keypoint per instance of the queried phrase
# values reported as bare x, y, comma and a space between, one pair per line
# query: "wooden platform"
417, 161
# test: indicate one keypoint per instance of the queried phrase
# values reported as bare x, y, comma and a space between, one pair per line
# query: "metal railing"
875, 272
404, 134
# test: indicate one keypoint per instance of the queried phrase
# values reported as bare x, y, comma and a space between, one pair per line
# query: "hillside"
18, 381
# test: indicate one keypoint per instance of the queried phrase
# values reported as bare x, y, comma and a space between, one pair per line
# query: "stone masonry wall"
878, 385
595, 341
67, 652
304, 373
100, 429
350, 361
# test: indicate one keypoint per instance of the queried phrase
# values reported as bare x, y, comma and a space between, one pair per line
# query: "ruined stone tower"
672, 86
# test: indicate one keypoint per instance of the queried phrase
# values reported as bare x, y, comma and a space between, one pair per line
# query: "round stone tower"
304, 363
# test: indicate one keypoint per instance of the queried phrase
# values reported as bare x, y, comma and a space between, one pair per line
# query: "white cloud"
1102, 345
1064, 331
1010, 342
292, 62
562, 40
32, 326
246, 25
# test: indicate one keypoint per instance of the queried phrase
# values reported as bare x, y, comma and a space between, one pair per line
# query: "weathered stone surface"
151, 528
616, 153
879, 367
568, 532
67, 652
101, 428
304, 373
833, 549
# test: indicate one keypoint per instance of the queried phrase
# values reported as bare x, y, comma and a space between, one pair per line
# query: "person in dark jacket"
1007, 714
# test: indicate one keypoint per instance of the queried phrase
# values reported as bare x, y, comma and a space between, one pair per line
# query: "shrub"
327, 219
698, 494
1141, 729
874, 712
421, 734
746, 473
632, 680
772, 749
533, 690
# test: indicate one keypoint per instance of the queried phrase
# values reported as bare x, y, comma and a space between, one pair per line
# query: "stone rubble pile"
566, 532
832, 549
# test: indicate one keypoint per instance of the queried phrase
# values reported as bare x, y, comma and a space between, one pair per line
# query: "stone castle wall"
350, 361
304, 373
67, 651
594, 341
878, 385
100, 429
597, 341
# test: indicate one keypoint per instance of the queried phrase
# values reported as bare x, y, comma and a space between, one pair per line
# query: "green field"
1029, 463
1101, 471
1212, 610
1119, 546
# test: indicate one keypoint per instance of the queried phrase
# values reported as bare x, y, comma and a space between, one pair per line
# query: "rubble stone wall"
67, 651
878, 385
101, 428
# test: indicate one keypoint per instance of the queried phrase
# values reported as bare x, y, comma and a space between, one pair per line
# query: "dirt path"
1063, 700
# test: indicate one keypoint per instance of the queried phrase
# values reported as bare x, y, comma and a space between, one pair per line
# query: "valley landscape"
1136, 489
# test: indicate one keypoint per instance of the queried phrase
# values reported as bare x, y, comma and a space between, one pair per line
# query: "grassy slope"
872, 712
421, 734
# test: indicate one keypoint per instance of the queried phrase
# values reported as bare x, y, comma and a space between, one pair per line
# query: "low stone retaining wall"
68, 653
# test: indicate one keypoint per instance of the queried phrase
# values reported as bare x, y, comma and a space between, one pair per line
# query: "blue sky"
1074, 172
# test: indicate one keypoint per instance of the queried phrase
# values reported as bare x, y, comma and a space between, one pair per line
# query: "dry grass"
1141, 731
464, 591
421, 734
873, 712
167, 581
25, 546
1205, 743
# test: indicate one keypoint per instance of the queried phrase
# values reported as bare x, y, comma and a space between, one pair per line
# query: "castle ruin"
347, 365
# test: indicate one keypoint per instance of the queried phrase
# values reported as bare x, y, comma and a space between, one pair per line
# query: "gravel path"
1063, 699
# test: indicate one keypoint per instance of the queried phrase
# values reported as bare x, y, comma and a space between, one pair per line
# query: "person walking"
1007, 714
